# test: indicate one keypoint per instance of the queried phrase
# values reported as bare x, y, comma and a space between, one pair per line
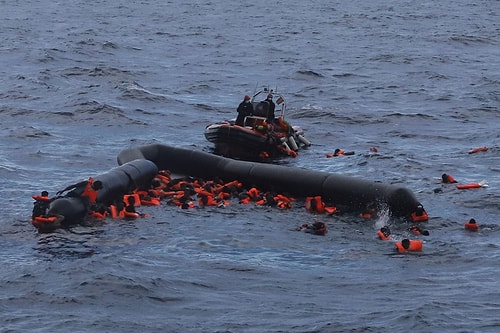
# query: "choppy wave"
418, 81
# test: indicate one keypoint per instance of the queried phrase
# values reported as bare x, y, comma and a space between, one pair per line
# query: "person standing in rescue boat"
272, 107
244, 109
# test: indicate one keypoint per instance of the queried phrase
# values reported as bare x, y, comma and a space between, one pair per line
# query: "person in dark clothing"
244, 109
41, 205
87, 190
272, 106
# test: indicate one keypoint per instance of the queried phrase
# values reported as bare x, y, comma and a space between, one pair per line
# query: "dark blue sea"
418, 80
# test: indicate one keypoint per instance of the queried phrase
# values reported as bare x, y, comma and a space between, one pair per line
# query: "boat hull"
239, 141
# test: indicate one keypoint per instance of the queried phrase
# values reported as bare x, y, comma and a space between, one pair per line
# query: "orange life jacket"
151, 201
330, 210
202, 192
467, 186
207, 200
382, 236
283, 204
253, 193
415, 230
261, 202
475, 150
471, 226
89, 192
224, 195
419, 218
318, 207
40, 197
137, 199
415, 246
115, 213
163, 179
97, 215
40, 220
449, 179
245, 200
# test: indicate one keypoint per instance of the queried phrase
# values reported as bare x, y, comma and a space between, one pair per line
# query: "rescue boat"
261, 135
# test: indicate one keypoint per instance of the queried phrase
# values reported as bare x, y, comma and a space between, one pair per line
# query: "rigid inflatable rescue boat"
263, 133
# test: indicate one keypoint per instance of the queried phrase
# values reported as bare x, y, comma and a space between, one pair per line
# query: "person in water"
384, 233
317, 228
409, 245
87, 189
244, 109
41, 204
447, 179
471, 225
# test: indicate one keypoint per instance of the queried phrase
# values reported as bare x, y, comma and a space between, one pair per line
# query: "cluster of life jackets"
406, 245
194, 192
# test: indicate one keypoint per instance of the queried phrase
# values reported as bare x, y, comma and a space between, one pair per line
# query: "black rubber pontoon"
116, 183
339, 189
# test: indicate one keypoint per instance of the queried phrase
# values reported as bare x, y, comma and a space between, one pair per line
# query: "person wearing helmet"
244, 109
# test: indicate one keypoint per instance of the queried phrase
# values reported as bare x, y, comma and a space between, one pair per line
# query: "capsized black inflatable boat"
116, 183
339, 189
139, 166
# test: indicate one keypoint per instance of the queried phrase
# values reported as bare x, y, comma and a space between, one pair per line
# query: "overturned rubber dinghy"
339, 189
116, 183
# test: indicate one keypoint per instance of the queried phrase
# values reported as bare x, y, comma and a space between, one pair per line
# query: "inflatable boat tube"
339, 189
116, 183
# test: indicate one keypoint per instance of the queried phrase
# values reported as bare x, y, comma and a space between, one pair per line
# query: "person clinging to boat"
244, 109
41, 204
87, 190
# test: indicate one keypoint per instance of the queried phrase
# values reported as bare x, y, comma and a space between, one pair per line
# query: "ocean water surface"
81, 81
